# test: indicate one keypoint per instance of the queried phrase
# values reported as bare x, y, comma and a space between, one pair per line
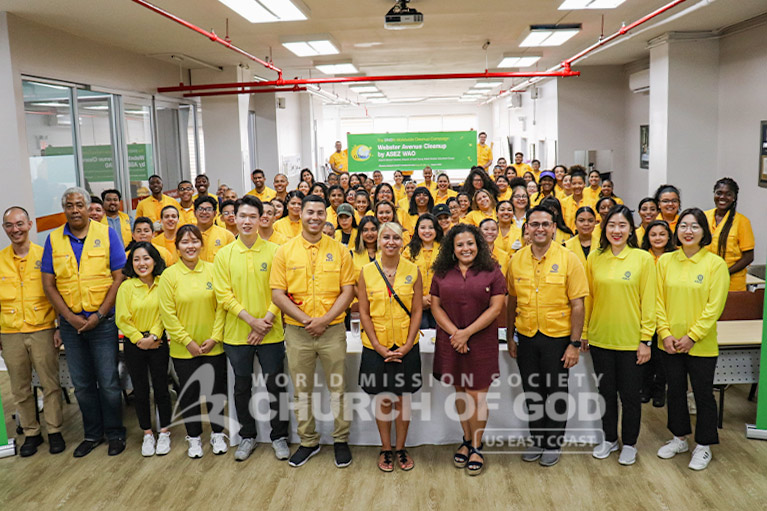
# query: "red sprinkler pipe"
210, 35
353, 79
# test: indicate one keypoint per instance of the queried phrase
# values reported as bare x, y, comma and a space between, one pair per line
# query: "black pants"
619, 373
427, 320
543, 376
653, 375
271, 357
209, 382
701, 372
141, 365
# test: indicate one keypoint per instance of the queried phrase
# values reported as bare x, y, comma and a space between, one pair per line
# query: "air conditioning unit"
515, 100
639, 82
535, 92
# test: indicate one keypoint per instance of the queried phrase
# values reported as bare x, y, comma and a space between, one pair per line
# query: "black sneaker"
31, 443
56, 443
659, 400
116, 446
343, 454
86, 446
302, 455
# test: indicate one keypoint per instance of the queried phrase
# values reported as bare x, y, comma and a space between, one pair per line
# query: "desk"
740, 345
753, 281
433, 417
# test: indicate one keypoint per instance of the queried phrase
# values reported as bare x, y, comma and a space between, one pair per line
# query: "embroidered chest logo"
627, 275
209, 286
218, 243
409, 279
96, 243
264, 266
329, 258
699, 279
38, 264
554, 268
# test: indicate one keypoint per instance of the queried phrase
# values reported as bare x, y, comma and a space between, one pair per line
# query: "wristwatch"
647, 343
577, 344
100, 315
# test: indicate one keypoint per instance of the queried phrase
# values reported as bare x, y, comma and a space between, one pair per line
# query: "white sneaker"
218, 441
628, 455
701, 457
673, 447
195, 447
281, 449
147, 447
603, 450
163, 444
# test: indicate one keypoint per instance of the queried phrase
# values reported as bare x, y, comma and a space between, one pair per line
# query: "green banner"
450, 150
3, 431
99, 167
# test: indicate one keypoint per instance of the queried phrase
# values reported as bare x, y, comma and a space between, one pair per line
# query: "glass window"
95, 113
52, 163
138, 139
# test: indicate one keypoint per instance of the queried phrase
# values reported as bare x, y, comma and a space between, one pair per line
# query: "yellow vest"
22, 300
82, 289
390, 321
125, 230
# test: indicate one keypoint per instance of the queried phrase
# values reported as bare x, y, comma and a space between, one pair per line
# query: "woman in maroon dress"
467, 293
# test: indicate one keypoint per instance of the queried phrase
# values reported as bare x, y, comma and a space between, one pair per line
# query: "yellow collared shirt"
521, 168
277, 238
574, 245
137, 309
186, 216
620, 311
502, 257
213, 240
740, 239
475, 217
151, 207
265, 196
313, 274
339, 162
442, 199
544, 289
570, 207
163, 244
188, 308
484, 155
241, 282
288, 228
508, 242
424, 260
691, 296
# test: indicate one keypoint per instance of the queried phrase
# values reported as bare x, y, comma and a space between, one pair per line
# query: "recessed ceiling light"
571, 5
550, 35
490, 84
269, 11
362, 89
337, 68
311, 45
519, 60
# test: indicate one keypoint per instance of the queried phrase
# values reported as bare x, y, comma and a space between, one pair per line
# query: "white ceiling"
450, 41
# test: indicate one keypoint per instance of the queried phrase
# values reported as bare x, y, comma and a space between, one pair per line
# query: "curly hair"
446, 259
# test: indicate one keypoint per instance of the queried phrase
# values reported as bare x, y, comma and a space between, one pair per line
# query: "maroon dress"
464, 300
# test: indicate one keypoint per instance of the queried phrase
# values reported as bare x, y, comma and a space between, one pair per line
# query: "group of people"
272, 276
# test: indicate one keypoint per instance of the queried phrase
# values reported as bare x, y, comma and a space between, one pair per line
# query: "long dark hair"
359, 245
379, 188
553, 192
362, 193
324, 189
487, 183
446, 259
721, 249
413, 208
552, 204
159, 263
301, 178
620, 209
416, 243
646, 238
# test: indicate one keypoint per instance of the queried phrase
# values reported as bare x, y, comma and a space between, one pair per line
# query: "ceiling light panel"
310, 46
519, 61
268, 11
337, 68
550, 35
572, 5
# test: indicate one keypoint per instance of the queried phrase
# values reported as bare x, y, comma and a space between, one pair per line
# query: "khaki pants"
302, 351
22, 353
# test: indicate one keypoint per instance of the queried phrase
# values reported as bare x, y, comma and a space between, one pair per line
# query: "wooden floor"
735, 480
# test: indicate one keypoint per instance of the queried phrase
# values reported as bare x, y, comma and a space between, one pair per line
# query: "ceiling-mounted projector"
401, 17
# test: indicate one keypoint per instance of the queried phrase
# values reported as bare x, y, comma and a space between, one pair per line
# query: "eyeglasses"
18, 225
227, 213
689, 227
519, 197
538, 225
206, 210
669, 201
189, 189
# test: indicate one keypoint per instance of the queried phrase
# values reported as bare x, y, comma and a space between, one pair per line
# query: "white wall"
533, 122
633, 184
742, 106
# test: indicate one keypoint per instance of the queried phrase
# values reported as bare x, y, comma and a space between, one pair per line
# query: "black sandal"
402, 459
460, 460
388, 464
475, 467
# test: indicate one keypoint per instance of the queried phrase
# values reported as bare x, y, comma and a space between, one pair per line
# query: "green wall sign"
99, 167
450, 150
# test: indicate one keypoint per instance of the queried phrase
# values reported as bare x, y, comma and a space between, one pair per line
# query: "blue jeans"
92, 360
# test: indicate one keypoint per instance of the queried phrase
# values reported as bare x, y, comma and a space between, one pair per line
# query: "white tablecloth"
433, 419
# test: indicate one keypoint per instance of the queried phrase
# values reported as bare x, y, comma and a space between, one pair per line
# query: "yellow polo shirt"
691, 296
591, 193
277, 238
313, 274
442, 199
265, 196
137, 309
570, 206
502, 257
241, 282
504, 195
399, 193
163, 244
339, 162
574, 244
475, 217
740, 239
620, 311
432, 186
151, 207
213, 240
188, 308
521, 168
484, 155
331, 216
424, 260
544, 289
390, 321
507, 242
287, 227
186, 216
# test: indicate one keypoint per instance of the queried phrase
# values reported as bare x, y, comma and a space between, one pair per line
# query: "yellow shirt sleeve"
577, 284
717, 298
662, 325
170, 320
348, 278
222, 284
123, 317
647, 290
278, 277
745, 234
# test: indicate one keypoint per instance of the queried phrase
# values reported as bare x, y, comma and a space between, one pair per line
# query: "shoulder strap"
391, 289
